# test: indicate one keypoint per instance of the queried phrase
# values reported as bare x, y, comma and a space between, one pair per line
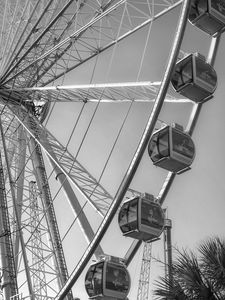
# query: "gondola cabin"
172, 149
107, 279
194, 78
141, 218
208, 15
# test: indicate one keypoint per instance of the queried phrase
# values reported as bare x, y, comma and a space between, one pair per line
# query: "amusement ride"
64, 112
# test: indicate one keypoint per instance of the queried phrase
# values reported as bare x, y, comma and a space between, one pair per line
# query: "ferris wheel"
82, 85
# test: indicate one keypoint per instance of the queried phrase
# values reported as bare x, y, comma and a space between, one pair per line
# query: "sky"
195, 202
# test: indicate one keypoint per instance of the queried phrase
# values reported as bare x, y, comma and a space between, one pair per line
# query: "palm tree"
198, 275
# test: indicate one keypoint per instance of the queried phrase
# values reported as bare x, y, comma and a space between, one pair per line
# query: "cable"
130, 105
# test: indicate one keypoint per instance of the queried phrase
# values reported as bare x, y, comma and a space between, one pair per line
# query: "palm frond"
196, 277
167, 291
213, 261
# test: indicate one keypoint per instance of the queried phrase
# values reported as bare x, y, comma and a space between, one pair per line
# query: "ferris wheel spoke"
50, 26
108, 92
36, 18
20, 29
26, 31
83, 180
101, 32
76, 173
9, 25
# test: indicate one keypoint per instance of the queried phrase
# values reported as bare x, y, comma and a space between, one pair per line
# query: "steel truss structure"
42, 44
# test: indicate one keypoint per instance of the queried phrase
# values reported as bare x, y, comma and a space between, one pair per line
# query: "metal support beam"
42, 183
74, 202
143, 286
39, 276
132, 251
20, 184
17, 218
168, 251
9, 284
